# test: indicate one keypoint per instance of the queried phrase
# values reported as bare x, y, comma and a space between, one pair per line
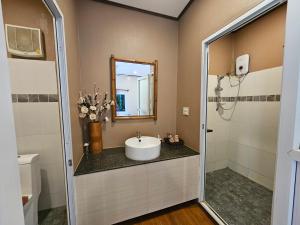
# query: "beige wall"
202, 19
221, 56
106, 30
253, 39
69, 11
31, 13
263, 40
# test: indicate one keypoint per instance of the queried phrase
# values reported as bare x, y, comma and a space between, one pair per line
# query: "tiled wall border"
34, 98
31, 98
258, 98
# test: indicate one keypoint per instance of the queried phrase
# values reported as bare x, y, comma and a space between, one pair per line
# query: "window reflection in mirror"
133, 88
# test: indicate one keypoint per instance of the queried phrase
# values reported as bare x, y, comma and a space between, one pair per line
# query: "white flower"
93, 117
81, 100
106, 119
84, 109
107, 107
82, 115
112, 102
93, 108
86, 145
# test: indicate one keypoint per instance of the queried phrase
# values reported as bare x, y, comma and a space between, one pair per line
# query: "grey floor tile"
55, 216
237, 199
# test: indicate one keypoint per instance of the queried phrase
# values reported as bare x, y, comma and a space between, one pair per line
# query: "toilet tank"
30, 174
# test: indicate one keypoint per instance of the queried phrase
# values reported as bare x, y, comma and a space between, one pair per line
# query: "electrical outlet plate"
186, 111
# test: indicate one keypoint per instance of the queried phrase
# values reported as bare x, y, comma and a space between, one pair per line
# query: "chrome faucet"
138, 136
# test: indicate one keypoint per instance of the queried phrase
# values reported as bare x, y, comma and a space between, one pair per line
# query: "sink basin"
146, 149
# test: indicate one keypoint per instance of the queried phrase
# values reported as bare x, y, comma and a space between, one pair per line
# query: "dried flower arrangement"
94, 106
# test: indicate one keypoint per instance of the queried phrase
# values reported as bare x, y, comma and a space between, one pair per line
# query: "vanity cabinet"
113, 196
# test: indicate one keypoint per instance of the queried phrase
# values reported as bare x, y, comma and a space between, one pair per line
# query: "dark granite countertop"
114, 158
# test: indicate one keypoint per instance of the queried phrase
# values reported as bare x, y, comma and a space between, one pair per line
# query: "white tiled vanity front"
114, 196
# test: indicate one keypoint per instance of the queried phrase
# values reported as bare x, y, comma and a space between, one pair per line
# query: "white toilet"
31, 186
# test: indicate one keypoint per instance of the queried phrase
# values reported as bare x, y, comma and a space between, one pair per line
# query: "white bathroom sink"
143, 149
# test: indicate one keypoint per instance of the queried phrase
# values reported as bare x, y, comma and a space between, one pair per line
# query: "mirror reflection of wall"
134, 89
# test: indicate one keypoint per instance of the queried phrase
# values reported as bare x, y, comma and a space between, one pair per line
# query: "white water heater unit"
242, 65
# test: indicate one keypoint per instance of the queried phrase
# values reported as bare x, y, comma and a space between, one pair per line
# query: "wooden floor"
186, 214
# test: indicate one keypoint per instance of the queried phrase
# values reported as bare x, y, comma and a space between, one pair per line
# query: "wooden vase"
95, 133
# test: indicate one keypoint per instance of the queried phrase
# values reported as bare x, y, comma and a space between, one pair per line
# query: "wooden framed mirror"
134, 89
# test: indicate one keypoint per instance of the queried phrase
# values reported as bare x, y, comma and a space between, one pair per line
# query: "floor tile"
55, 216
237, 199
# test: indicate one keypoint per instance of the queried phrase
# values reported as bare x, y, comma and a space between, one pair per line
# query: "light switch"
186, 111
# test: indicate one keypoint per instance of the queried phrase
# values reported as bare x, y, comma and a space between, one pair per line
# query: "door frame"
10, 144
65, 114
281, 210
286, 201
139, 91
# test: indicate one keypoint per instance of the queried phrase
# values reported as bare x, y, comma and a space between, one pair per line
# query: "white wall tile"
210, 167
262, 180
239, 153
217, 141
33, 76
52, 178
52, 201
210, 151
36, 118
238, 168
38, 131
48, 146
263, 82
38, 125
251, 135
262, 162
222, 150
221, 164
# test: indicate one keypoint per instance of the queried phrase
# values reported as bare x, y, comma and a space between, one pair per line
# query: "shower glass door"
243, 109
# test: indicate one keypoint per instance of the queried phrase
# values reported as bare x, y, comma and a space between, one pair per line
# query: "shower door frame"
283, 201
65, 115
13, 212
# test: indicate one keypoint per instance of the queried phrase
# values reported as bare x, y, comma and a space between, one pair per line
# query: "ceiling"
169, 8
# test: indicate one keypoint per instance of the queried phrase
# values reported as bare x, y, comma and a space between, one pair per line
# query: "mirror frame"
114, 116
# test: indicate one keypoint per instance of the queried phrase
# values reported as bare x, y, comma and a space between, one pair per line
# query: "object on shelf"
173, 140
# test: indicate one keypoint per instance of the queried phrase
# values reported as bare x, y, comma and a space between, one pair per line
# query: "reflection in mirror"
133, 88
244, 87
